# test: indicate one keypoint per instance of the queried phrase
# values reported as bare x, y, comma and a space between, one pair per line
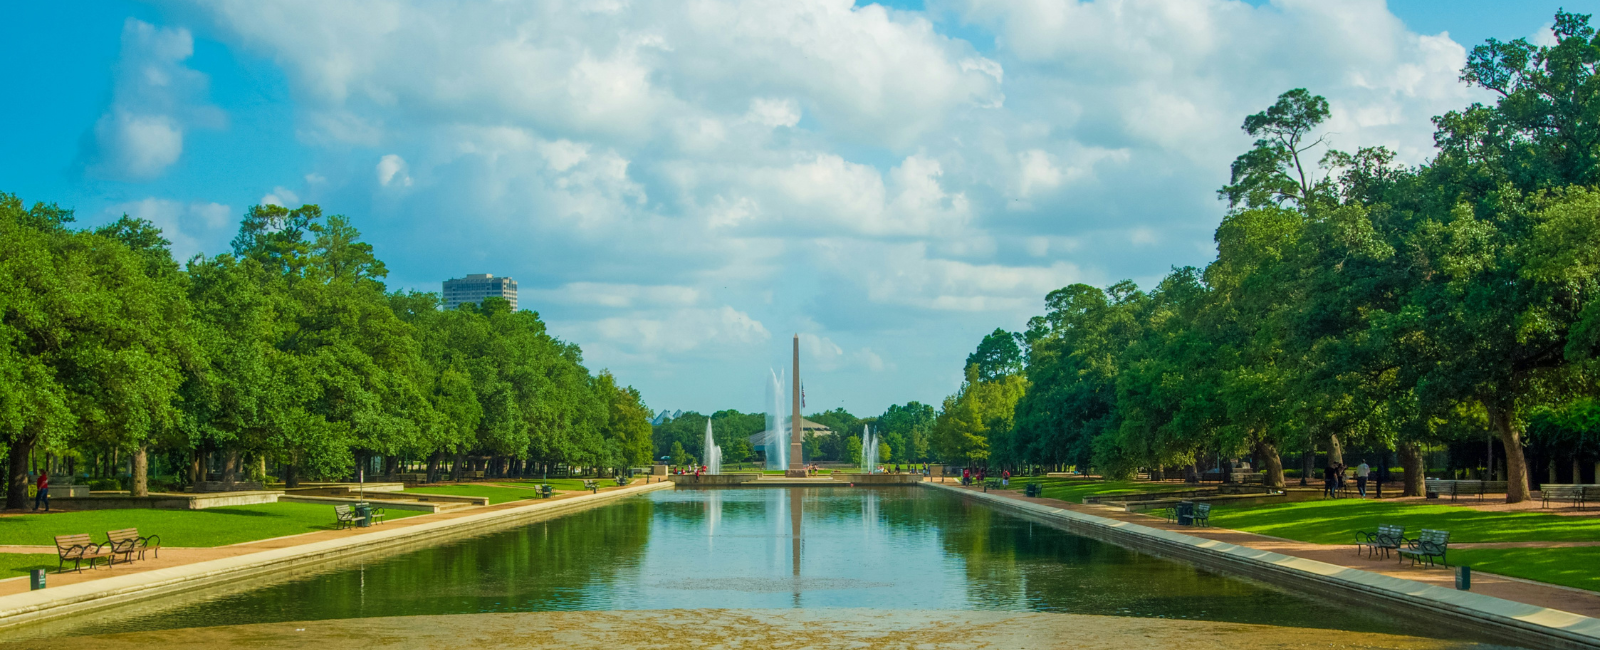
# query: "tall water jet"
869, 450
777, 441
713, 453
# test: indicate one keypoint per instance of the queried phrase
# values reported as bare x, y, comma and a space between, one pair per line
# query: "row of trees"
289, 350
1352, 300
904, 433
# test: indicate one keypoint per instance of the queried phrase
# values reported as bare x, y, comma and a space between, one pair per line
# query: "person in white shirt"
1362, 471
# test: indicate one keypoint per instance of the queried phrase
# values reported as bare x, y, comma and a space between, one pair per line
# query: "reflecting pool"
882, 548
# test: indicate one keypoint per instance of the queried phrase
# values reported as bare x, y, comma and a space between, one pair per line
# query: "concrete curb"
381, 503
54, 603
1496, 618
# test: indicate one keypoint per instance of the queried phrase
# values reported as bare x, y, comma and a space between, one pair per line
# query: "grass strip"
1568, 567
209, 527
1335, 521
18, 564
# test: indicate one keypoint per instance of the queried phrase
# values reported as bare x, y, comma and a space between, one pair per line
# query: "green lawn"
17, 564
560, 484
1571, 567
209, 527
1335, 521
1074, 490
496, 493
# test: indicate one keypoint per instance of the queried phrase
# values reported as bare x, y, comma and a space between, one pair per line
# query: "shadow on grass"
245, 513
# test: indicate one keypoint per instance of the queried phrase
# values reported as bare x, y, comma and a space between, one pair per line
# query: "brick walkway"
1577, 601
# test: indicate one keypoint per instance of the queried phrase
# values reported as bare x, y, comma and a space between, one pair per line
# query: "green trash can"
36, 578
363, 515
547, 490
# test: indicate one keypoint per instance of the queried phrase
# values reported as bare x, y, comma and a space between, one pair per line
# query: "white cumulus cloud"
155, 98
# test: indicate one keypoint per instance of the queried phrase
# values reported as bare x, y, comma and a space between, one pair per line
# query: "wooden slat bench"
1428, 545
1456, 488
127, 542
344, 516
1576, 494
1388, 538
79, 548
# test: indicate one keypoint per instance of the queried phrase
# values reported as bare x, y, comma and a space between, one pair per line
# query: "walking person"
1329, 482
43, 493
1005, 478
1362, 471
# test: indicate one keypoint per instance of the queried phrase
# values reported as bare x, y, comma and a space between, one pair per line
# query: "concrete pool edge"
1496, 618
58, 602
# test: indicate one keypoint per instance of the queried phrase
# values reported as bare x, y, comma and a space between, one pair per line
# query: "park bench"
1428, 545
1388, 538
127, 542
1553, 492
547, 490
79, 548
1202, 514
344, 516
347, 516
591, 485
622, 480
1455, 488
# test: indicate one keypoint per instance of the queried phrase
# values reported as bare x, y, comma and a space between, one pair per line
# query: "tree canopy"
287, 352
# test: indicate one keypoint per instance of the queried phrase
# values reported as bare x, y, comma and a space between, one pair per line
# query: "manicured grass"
17, 564
496, 493
1074, 490
1571, 567
1334, 521
560, 484
209, 527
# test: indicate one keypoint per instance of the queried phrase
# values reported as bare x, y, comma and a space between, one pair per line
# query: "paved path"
1577, 601
179, 556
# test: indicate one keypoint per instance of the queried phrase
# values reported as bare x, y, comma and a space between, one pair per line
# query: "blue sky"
680, 187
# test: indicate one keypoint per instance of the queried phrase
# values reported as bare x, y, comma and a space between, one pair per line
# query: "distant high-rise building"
476, 287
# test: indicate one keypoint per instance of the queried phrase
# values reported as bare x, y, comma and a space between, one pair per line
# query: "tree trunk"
1271, 464
1502, 422
230, 466
17, 487
196, 468
455, 467
141, 472
433, 467
1335, 450
1411, 462
291, 475
1308, 465
1577, 471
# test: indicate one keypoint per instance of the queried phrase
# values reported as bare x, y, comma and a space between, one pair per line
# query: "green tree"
979, 410
997, 355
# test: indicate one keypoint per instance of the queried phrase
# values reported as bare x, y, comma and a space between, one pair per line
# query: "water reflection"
887, 548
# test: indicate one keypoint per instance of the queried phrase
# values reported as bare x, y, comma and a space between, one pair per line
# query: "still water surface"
886, 548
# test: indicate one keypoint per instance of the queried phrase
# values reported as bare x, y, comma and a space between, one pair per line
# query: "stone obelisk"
797, 467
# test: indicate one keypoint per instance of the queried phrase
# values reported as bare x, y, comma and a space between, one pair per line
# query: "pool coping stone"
1505, 620
77, 598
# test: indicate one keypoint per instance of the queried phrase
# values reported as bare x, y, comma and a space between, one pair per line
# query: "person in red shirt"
44, 492
1005, 477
